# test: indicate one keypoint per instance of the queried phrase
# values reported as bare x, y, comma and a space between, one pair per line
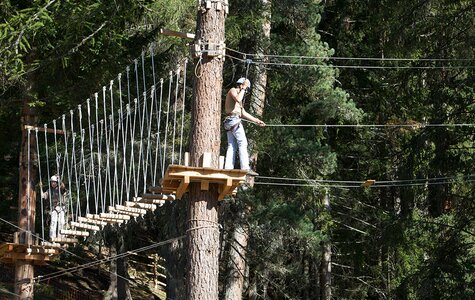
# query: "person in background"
236, 135
57, 196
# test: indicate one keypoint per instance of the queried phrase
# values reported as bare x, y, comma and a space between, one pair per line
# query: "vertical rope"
74, 164
183, 110
123, 134
66, 158
132, 165
174, 112
149, 131
124, 169
158, 110
28, 191
99, 172
47, 166
128, 85
116, 185
166, 123
91, 166
158, 146
82, 163
57, 164
41, 186
142, 125
108, 166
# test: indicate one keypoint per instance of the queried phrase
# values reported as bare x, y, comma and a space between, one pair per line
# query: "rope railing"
114, 146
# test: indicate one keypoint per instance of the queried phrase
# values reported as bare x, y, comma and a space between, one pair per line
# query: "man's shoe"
252, 173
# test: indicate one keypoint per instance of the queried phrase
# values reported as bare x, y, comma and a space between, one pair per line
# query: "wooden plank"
114, 216
177, 34
92, 221
42, 129
368, 182
74, 232
206, 160
167, 197
126, 213
104, 219
65, 240
141, 205
13, 256
204, 185
187, 159
155, 189
227, 188
85, 226
49, 244
183, 187
46, 251
131, 209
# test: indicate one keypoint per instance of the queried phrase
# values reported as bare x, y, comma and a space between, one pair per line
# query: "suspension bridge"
115, 157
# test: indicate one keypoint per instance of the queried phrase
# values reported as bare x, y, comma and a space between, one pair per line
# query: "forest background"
409, 236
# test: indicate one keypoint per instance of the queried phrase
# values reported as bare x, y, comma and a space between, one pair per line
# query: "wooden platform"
38, 254
178, 178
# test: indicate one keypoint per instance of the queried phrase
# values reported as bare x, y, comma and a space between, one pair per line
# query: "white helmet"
54, 178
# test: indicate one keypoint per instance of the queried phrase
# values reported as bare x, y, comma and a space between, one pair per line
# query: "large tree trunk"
237, 261
24, 270
123, 290
326, 266
112, 291
174, 254
237, 257
203, 230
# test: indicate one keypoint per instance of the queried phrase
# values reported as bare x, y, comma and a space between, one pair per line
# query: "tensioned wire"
375, 185
415, 126
347, 58
99, 262
282, 64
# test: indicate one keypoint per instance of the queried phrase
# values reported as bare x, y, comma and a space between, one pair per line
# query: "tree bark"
112, 291
123, 290
24, 270
237, 262
203, 231
326, 266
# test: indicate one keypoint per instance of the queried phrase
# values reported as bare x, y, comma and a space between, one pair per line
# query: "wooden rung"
37, 250
114, 216
74, 232
49, 244
121, 212
85, 226
167, 197
105, 220
140, 205
91, 221
65, 240
131, 209
155, 189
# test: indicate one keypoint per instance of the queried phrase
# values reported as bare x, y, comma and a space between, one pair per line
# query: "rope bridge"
109, 156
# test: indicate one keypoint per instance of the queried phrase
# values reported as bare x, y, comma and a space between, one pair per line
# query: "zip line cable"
375, 185
321, 65
347, 58
101, 261
415, 126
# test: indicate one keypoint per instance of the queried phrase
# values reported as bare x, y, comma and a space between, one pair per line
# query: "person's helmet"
54, 178
242, 80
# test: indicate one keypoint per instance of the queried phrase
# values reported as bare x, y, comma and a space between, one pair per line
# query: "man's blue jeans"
237, 141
